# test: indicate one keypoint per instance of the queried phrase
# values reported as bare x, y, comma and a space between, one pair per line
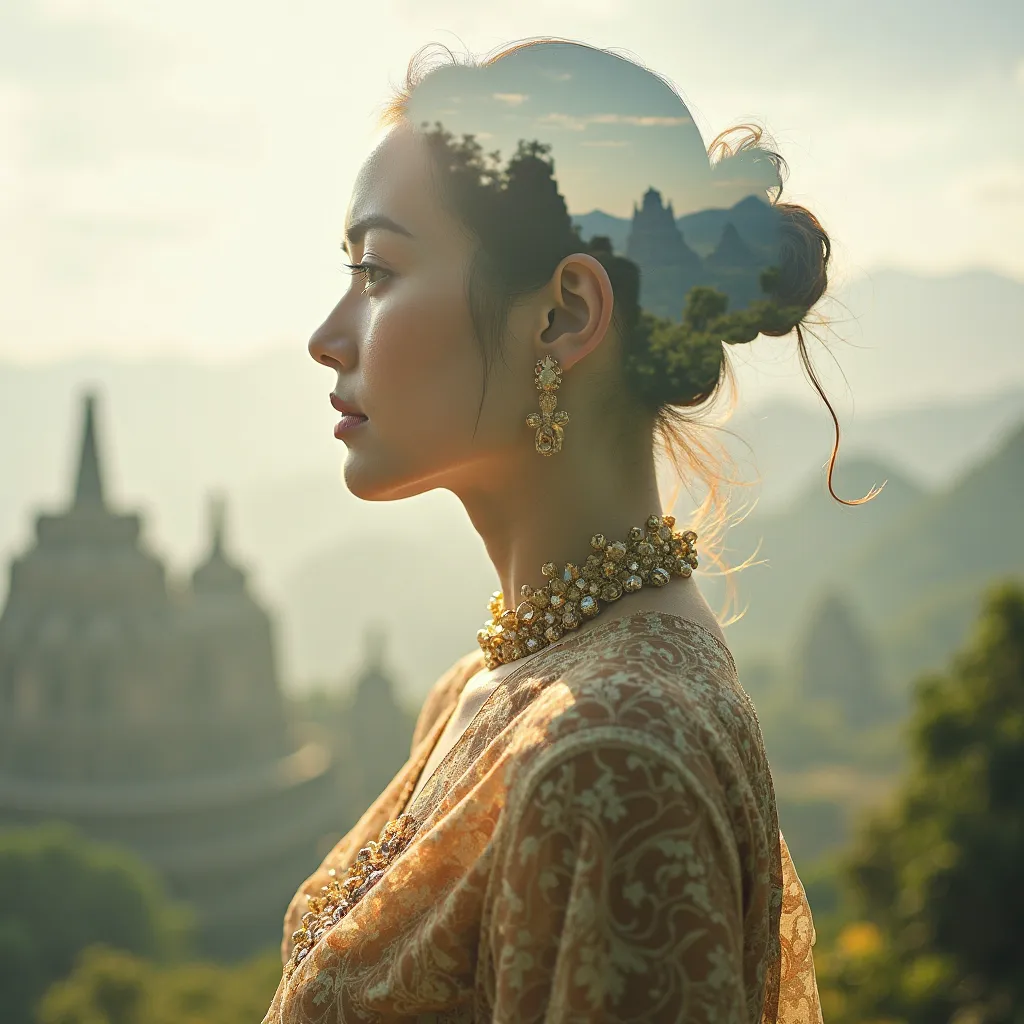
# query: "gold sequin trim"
339, 896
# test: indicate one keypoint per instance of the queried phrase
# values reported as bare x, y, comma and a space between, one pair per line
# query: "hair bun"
804, 254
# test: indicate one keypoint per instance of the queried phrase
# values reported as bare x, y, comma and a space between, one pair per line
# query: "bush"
60, 893
112, 987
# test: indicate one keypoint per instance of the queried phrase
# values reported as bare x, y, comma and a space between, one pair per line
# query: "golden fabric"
601, 844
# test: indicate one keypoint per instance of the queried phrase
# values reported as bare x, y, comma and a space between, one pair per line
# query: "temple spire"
216, 506
217, 573
89, 483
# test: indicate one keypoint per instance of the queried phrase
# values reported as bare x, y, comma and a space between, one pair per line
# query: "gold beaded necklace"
651, 555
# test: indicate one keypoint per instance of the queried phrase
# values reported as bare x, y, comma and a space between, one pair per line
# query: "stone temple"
151, 716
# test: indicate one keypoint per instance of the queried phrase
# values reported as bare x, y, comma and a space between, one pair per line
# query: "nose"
330, 344
318, 345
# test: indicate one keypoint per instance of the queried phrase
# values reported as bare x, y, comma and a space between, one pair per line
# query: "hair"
523, 231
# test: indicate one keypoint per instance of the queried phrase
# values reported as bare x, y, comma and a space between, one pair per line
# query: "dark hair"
524, 230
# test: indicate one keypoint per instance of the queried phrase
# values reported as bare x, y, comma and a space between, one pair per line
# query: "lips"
346, 407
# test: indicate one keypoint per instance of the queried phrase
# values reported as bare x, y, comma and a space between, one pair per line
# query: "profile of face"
403, 345
404, 348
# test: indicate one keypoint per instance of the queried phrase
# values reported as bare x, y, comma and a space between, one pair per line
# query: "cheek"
421, 361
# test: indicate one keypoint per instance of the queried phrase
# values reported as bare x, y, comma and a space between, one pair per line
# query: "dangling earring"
547, 422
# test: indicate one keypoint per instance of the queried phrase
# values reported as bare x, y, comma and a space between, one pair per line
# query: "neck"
548, 507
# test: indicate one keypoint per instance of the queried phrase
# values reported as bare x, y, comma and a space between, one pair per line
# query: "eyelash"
364, 268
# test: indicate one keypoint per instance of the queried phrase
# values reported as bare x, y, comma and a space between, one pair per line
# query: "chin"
369, 483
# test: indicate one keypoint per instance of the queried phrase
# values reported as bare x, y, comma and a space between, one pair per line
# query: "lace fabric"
601, 844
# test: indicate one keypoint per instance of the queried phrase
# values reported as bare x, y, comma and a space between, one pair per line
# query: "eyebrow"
374, 220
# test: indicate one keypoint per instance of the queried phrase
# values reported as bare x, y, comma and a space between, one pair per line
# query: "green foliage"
516, 210
829, 898
684, 358
938, 874
60, 893
112, 987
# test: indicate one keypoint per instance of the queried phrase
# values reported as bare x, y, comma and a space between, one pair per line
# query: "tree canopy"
113, 987
936, 877
60, 893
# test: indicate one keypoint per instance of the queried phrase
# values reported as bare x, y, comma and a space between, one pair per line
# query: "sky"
174, 177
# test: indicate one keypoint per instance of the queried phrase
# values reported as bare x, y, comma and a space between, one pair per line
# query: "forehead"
395, 180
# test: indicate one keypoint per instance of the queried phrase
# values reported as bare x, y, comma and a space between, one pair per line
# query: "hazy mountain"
961, 538
914, 563
751, 218
929, 443
900, 339
800, 550
732, 251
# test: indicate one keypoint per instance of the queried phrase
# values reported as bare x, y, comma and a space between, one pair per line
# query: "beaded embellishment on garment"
340, 895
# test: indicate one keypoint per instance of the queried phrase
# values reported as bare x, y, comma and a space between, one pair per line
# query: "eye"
366, 269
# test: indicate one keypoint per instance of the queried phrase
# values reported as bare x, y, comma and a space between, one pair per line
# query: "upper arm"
618, 893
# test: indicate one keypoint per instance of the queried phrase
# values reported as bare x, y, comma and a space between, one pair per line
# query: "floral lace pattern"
601, 844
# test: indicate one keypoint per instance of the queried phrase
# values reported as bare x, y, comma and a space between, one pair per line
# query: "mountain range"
913, 562
751, 218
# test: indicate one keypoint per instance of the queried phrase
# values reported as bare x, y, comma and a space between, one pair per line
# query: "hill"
801, 549
914, 564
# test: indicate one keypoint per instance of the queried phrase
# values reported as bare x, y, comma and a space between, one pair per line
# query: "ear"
577, 307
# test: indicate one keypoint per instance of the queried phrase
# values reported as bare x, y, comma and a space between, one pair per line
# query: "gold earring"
547, 422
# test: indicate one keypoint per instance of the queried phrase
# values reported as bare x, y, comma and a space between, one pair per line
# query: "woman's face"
402, 343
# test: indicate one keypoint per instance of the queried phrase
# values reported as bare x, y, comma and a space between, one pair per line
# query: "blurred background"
212, 656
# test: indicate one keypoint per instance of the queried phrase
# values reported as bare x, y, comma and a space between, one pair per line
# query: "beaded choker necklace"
652, 555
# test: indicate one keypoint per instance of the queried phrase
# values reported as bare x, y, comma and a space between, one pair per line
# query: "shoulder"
653, 679
656, 695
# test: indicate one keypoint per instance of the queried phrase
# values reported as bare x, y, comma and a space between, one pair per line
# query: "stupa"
152, 716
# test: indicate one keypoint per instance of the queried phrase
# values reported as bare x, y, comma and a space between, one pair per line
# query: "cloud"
51, 52
513, 99
98, 90
572, 122
999, 186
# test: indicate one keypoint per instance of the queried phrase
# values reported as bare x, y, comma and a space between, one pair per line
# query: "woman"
586, 827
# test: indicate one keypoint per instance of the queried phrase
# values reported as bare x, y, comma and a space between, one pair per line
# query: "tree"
112, 987
60, 893
936, 879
